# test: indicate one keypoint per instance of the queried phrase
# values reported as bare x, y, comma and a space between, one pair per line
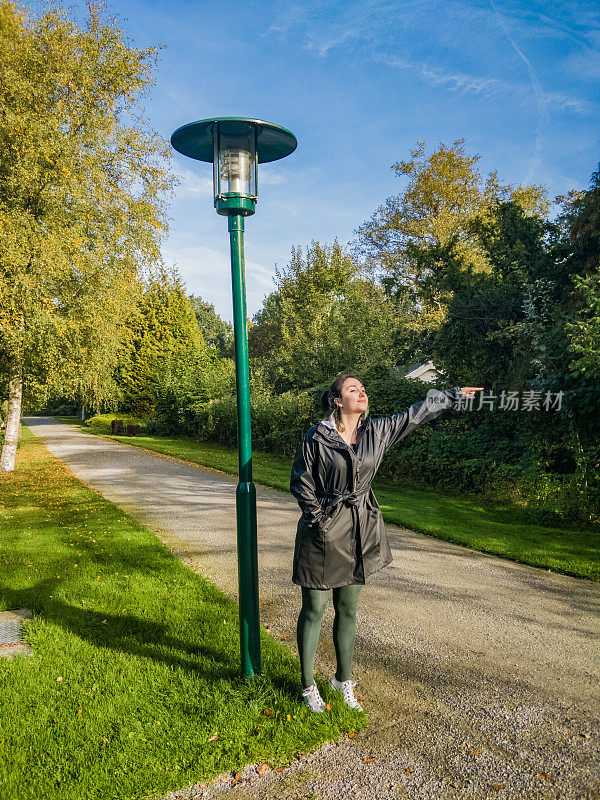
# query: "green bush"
278, 421
101, 423
184, 389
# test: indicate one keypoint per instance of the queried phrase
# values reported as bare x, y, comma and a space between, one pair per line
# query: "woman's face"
354, 399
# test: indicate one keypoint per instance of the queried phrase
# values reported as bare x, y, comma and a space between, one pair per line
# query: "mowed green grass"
502, 530
136, 659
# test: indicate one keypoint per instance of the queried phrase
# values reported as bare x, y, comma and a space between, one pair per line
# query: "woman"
341, 537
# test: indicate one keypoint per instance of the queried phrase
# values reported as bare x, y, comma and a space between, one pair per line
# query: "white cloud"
195, 181
260, 274
322, 45
287, 19
206, 272
456, 81
536, 158
485, 86
269, 175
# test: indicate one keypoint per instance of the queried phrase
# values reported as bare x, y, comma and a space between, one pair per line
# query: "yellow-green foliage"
444, 193
82, 180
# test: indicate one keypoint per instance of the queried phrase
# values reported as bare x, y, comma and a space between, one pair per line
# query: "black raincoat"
341, 536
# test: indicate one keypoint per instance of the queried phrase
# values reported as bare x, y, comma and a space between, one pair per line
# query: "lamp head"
235, 146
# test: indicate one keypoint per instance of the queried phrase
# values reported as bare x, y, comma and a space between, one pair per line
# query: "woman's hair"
335, 390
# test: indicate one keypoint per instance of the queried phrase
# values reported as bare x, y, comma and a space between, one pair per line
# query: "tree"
82, 181
581, 364
324, 316
217, 333
581, 217
497, 324
185, 385
161, 330
445, 192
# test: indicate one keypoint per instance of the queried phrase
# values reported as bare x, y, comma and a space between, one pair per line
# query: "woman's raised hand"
469, 391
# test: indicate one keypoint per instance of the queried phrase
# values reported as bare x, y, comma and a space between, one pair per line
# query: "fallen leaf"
371, 761
267, 712
328, 706
546, 777
409, 770
289, 717
212, 738
478, 652
262, 769
351, 735
284, 637
224, 778
497, 786
474, 752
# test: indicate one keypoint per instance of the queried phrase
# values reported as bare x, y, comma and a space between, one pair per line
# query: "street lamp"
236, 146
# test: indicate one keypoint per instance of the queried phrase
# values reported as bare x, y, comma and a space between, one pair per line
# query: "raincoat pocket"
309, 556
329, 514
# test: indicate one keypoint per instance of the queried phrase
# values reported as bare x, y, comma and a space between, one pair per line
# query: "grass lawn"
133, 689
502, 530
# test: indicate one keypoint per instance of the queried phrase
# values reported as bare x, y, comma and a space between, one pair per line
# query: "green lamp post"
236, 146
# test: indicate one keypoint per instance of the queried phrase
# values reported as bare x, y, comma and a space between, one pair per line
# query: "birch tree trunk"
11, 438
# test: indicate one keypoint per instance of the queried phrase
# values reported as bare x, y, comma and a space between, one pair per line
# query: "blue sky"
359, 83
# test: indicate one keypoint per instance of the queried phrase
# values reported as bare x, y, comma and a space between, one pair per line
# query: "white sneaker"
347, 689
313, 699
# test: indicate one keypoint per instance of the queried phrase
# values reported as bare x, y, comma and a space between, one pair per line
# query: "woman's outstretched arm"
395, 427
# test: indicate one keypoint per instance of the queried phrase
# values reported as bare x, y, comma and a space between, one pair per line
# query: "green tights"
345, 599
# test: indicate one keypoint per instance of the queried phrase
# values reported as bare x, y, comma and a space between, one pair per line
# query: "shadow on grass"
202, 649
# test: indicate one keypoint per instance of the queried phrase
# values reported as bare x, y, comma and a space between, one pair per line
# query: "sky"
359, 83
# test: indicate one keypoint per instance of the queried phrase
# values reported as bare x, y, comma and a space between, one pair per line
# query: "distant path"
482, 673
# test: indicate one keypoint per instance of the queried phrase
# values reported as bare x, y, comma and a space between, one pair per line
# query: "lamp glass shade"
234, 163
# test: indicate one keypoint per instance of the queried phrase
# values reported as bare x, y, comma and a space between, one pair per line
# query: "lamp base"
243, 206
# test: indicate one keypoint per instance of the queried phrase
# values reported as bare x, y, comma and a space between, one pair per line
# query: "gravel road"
480, 676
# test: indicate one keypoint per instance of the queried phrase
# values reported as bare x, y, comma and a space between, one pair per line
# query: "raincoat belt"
349, 498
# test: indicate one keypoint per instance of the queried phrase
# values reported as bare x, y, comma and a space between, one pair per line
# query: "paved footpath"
480, 676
